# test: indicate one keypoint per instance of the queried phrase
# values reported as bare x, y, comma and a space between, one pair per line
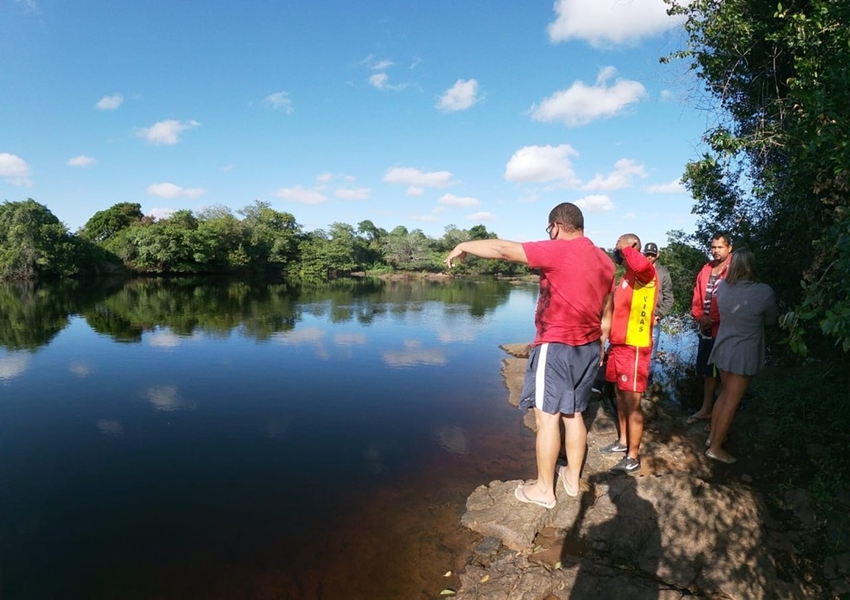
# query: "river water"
219, 439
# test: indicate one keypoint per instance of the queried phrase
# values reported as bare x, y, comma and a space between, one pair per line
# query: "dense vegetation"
777, 176
34, 243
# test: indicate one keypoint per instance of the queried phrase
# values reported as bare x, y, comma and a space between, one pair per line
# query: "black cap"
650, 248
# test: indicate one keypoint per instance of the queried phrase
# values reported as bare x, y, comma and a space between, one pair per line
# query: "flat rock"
666, 533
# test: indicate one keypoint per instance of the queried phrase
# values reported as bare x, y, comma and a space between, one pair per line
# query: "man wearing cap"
665, 299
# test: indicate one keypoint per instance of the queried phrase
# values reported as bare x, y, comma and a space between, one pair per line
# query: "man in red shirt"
572, 319
705, 313
631, 347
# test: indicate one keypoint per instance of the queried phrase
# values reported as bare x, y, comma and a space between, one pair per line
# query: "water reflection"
13, 364
167, 398
168, 310
414, 354
452, 438
178, 438
80, 369
110, 427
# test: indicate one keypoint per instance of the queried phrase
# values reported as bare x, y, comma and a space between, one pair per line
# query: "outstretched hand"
455, 255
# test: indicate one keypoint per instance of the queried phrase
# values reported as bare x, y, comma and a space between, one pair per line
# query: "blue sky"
422, 114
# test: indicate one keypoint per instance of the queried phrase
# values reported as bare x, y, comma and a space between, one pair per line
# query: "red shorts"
628, 367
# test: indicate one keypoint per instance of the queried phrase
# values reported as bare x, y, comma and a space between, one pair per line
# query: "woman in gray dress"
746, 308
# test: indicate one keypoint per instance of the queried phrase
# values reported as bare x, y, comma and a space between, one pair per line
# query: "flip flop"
562, 475
519, 494
694, 418
728, 460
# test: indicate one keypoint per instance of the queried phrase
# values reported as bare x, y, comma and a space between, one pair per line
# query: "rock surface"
671, 531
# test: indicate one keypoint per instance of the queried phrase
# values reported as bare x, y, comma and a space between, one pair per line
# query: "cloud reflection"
456, 334
110, 427
309, 336
414, 354
163, 339
166, 398
79, 369
350, 339
13, 365
452, 438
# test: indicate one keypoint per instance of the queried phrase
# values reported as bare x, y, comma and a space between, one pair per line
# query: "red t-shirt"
575, 277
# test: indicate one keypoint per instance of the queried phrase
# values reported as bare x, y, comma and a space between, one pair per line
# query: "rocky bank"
685, 527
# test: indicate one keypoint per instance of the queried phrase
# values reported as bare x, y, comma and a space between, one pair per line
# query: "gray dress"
746, 307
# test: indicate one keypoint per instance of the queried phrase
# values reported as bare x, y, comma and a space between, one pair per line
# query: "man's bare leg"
547, 446
575, 444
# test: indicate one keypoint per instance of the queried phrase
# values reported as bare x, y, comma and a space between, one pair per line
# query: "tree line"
35, 244
775, 175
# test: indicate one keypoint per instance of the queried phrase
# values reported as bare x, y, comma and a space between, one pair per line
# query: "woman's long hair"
742, 266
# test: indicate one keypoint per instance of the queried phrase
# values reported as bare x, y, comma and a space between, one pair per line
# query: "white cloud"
480, 216
169, 190
462, 95
14, 169
352, 193
674, 187
432, 218
580, 104
539, 164
299, 194
625, 170
604, 23
452, 200
30, 4
110, 102
416, 180
595, 204
379, 80
160, 214
166, 133
280, 100
81, 161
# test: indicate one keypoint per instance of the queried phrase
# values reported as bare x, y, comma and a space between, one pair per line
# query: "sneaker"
626, 465
613, 448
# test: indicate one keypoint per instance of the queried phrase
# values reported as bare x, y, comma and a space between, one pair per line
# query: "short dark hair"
569, 215
722, 235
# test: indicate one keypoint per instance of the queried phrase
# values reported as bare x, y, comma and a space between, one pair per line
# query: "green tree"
777, 173
33, 242
105, 224
407, 250
273, 237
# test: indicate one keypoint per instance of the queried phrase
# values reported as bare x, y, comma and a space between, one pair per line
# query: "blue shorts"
559, 377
